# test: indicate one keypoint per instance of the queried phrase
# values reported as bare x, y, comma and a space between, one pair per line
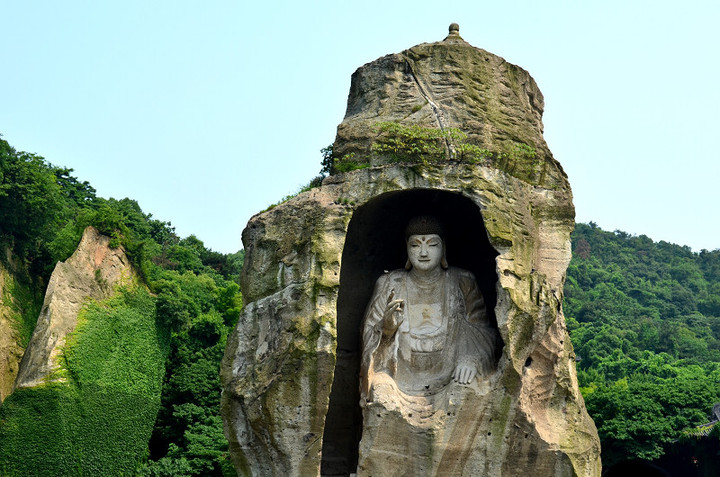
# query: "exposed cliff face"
302, 316
88, 389
282, 353
91, 273
452, 84
10, 356
290, 372
11, 346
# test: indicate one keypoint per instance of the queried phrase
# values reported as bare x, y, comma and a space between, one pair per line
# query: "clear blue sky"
208, 112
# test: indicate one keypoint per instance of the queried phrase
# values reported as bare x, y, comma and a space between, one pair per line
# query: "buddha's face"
425, 252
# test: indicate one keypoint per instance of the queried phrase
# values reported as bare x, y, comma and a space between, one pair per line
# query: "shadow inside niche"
375, 243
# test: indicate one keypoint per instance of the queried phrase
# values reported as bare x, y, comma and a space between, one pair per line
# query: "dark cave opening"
375, 243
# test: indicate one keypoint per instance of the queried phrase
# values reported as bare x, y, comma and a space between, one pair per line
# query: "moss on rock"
293, 359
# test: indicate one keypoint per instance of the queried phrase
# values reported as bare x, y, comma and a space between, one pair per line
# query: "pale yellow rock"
11, 350
91, 273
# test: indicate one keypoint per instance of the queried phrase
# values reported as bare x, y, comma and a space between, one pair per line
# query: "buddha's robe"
444, 323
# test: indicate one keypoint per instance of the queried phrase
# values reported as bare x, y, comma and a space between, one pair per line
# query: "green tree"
196, 300
31, 200
643, 320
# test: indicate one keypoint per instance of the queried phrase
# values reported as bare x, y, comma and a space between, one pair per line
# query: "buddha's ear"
408, 265
443, 261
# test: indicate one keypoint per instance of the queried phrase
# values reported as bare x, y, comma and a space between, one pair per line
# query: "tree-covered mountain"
644, 318
194, 302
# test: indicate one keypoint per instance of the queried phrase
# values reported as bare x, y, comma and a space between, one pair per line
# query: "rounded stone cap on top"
454, 34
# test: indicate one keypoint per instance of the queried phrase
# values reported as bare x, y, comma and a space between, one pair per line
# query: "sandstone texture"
11, 349
91, 273
291, 369
451, 84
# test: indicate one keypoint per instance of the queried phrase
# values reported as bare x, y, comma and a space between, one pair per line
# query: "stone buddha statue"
426, 326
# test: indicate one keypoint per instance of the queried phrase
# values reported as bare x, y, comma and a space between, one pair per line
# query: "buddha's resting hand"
464, 373
392, 317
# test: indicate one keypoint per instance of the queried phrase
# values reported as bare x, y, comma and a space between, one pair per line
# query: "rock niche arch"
375, 244
298, 332
290, 371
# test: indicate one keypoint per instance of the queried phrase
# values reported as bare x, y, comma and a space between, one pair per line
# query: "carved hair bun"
424, 225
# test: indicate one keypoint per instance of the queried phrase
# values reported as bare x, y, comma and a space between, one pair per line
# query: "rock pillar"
292, 366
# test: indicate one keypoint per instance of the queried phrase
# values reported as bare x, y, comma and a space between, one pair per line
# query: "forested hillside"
644, 318
194, 302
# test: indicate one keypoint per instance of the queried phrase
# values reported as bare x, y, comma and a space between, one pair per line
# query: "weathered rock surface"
10, 355
11, 350
91, 273
290, 372
452, 84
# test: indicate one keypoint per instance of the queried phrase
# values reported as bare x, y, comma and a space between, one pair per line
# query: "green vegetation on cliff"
36, 199
416, 144
100, 420
22, 297
644, 318
143, 390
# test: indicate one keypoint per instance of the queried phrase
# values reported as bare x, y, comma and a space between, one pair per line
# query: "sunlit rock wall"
290, 373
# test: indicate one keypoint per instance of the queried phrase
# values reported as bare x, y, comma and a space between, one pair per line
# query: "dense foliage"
114, 373
644, 318
645, 321
163, 375
22, 298
36, 198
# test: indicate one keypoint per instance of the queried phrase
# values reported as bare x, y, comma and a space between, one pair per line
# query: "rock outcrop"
291, 368
91, 273
452, 84
89, 385
10, 354
11, 349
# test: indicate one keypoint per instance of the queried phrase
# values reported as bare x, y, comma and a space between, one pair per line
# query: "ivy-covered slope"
99, 421
142, 390
644, 318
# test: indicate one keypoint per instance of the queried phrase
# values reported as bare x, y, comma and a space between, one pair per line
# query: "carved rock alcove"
280, 363
290, 371
374, 245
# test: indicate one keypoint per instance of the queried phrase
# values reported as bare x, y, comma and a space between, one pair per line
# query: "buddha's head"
424, 238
